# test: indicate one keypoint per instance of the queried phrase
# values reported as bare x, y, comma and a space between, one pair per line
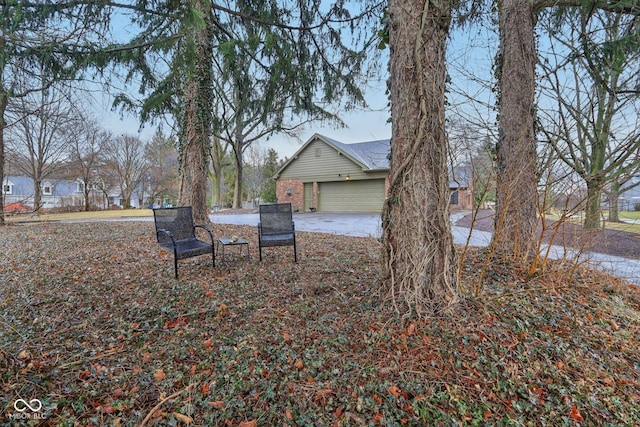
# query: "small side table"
226, 241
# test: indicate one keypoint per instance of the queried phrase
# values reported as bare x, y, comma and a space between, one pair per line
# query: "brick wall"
296, 198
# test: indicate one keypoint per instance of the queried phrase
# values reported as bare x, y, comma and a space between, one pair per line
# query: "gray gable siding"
320, 162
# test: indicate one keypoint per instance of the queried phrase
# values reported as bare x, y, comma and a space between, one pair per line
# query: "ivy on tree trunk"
419, 256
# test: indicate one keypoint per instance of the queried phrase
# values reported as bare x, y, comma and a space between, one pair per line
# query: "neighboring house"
56, 193
330, 176
630, 199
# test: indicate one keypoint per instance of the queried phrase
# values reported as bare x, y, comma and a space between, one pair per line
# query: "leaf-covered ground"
96, 328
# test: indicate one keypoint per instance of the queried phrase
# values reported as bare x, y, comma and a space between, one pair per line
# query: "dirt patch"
610, 242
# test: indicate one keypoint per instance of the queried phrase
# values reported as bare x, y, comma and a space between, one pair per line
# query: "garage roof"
373, 156
370, 156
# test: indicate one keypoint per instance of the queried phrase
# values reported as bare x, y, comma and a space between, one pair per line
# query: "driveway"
369, 225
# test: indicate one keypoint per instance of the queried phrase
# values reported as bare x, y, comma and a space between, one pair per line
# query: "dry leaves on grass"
97, 329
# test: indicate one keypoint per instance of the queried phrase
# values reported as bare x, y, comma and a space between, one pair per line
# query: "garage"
351, 196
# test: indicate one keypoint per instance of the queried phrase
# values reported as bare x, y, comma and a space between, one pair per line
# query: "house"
630, 199
56, 194
331, 176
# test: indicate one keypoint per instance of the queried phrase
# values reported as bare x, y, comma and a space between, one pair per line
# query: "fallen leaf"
159, 375
411, 329
252, 423
394, 391
575, 415
218, 404
184, 418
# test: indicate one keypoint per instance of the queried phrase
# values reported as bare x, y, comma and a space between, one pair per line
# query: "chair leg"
213, 256
295, 252
260, 252
175, 265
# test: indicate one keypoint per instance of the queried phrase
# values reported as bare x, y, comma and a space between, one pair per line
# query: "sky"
361, 126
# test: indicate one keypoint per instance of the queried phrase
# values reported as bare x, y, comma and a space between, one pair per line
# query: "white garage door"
351, 196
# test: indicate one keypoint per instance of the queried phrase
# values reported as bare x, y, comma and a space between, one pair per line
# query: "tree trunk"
614, 196
197, 118
237, 191
37, 195
516, 195
419, 256
87, 202
594, 205
3, 106
217, 157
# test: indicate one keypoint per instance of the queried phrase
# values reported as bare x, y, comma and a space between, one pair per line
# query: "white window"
80, 186
47, 189
7, 188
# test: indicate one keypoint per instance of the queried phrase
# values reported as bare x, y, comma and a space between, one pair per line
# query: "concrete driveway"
348, 224
369, 225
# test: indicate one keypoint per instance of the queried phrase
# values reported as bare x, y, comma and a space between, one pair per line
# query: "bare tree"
591, 72
125, 165
84, 156
44, 125
162, 174
256, 160
419, 256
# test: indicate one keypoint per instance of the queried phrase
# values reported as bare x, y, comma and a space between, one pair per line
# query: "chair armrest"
207, 229
168, 233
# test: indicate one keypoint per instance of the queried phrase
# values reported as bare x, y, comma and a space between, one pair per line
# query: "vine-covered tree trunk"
197, 116
419, 256
3, 106
516, 196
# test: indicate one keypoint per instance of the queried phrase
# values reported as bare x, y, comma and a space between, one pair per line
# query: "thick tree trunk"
197, 119
419, 256
516, 198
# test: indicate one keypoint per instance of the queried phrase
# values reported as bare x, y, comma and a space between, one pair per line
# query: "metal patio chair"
276, 227
176, 232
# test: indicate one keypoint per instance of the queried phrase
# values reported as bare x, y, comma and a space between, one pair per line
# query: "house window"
7, 188
47, 190
318, 152
454, 198
80, 186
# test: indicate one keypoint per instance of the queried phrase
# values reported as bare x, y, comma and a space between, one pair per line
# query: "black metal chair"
276, 227
176, 232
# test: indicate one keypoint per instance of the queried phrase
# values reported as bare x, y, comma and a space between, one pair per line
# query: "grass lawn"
94, 326
78, 216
